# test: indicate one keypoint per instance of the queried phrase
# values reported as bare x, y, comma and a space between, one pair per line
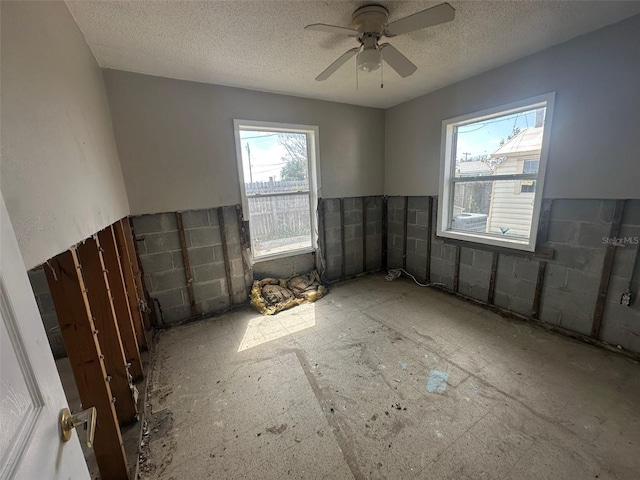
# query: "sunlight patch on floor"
265, 328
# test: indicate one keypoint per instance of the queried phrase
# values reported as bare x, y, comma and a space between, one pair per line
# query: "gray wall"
176, 141
594, 141
61, 178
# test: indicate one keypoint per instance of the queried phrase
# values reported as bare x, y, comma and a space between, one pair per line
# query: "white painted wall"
60, 174
176, 142
595, 140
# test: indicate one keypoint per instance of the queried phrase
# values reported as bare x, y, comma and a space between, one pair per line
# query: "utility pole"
249, 156
466, 155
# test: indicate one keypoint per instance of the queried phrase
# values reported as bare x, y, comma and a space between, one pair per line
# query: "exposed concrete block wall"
621, 325
577, 232
332, 238
285, 267
161, 258
352, 257
41, 291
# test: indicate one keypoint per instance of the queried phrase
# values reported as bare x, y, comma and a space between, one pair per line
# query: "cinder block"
38, 280
555, 276
332, 220
563, 231
159, 222
506, 265
411, 216
157, 262
232, 234
176, 314
631, 214
353, 217
593, 235
395, 228
501, 299
177, 258
162, 242
474, 276
482, 260
521, 305
584, 282
396, 202
466, 256
331, 205
549, 314
348, 204
422, 218
478, 292
203, 291
172, 298
200, 237
515, 286
230, 215
572, 256
419, 203
526, 269
606, 211
212, 305
411, 244
449, 252
417, 231
167, 280
577, 323
213, 216
201, 255
237, 267
209, 272
195, 218
575, 303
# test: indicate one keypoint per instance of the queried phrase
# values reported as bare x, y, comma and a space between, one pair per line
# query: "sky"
484, 137
266, 155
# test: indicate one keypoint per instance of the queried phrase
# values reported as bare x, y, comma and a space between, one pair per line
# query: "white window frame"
447, 173
313, 155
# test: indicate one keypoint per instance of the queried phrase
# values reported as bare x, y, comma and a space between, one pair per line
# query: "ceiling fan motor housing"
370, 19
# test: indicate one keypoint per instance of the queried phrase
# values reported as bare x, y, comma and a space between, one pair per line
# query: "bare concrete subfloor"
387, 380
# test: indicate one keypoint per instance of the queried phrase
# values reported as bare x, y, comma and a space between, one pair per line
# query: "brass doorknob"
86, 417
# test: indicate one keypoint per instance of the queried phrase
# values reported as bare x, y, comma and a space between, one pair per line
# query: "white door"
30, 389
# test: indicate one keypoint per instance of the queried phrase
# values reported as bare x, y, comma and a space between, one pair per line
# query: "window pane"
503, 208
496, 146
274, 161
279, 224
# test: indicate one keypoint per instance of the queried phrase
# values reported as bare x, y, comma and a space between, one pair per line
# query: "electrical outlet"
626, 298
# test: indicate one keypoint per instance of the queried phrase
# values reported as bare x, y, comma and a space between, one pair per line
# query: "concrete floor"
387, 380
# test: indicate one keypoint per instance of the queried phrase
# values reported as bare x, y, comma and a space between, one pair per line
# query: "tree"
295, 160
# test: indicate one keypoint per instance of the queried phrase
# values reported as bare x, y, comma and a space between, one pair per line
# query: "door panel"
31, 394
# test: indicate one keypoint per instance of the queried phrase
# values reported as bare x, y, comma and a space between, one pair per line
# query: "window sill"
289, 253
542, 253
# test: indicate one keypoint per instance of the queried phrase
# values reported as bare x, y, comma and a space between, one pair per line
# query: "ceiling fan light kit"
369, 24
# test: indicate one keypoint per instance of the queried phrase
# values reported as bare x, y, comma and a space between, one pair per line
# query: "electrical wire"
396, 273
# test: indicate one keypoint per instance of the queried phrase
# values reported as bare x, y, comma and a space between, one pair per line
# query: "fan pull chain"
356, 63
381, 74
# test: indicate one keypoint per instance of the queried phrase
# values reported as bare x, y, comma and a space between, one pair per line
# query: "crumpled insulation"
270, 295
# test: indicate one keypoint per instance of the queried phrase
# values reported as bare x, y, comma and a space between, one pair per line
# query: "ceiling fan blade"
331, 69
322, 27
426, 18
396, 60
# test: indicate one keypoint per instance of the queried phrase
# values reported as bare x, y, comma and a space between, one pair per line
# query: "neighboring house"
512, 200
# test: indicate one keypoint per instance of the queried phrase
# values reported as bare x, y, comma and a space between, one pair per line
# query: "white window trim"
447, 165
313, 154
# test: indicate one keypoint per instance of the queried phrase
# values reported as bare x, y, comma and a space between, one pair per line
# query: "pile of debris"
270, 295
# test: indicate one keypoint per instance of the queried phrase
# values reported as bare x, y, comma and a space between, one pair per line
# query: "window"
492, 169
277, 166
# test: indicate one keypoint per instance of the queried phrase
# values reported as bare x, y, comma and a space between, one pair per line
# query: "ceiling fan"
369, 24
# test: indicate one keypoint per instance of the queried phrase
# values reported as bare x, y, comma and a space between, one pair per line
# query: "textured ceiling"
261, 45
